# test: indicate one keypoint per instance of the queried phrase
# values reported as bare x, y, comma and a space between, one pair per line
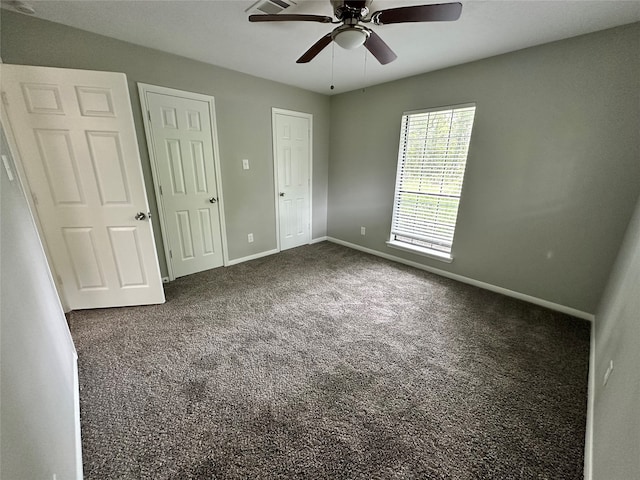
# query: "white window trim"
425, 252
446, 257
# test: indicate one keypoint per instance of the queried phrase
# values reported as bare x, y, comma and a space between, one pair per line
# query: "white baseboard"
252, 257
487, 286
268, 252
588, 440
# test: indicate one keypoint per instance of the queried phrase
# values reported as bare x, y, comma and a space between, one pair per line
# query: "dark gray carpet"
324, 362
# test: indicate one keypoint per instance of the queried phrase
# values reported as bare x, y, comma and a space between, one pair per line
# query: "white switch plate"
245, 164
363, 231
250, 238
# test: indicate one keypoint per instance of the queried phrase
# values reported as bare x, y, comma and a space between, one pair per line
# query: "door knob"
282, 194
213, 200
141, 216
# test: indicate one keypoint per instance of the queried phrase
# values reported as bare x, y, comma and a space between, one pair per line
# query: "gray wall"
243, 113
38, 400
552, 179
552, 174
616, 421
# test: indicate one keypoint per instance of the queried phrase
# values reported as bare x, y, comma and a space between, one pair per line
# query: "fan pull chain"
364, 71
333, 51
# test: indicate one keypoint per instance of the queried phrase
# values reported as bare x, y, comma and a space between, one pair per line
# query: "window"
431, 162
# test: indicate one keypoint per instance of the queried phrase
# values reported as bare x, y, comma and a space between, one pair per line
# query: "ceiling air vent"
270, 7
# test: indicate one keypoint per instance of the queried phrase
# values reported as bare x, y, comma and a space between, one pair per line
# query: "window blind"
431, 161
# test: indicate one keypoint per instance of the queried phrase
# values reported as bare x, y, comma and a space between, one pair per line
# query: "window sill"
425, 252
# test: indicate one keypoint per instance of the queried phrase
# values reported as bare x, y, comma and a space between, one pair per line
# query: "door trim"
309, 116
143, 89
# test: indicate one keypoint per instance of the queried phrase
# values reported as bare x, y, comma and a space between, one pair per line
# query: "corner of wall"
588, 438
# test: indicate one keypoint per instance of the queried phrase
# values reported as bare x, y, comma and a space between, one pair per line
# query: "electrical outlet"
245, 164
363, 231
608, 373
250, 238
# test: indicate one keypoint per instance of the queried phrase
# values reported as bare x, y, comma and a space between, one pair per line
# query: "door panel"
292, 147
95, 101
87, 268
74, 131
59, 164
184, 228
124, 241
199, 168
182, 143
108, 166
204, 215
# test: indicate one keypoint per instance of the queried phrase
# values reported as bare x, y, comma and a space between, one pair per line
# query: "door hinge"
160, 187
5, 99
35, 198
59, 279
149, 115
170, 254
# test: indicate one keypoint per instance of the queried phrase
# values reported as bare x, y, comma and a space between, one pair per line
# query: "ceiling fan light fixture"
351, 37
352, 34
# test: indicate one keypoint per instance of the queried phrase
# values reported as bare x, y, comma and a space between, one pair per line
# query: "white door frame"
280, 111
143, 89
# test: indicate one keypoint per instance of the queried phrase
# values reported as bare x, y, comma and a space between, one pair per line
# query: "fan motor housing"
350, 9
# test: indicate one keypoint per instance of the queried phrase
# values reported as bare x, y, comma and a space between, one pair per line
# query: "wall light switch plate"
363, 231
250, 238
245, 164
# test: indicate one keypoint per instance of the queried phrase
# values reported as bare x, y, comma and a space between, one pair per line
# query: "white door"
292, 156
76, 140
182, 148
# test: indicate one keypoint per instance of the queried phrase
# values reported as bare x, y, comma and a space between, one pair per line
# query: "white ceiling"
218, 32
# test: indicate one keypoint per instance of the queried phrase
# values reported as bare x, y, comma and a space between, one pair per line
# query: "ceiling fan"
352, 14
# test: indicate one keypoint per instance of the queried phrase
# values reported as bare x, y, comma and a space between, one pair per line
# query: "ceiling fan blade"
315, 49
290, 18
379, 49
419, 13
